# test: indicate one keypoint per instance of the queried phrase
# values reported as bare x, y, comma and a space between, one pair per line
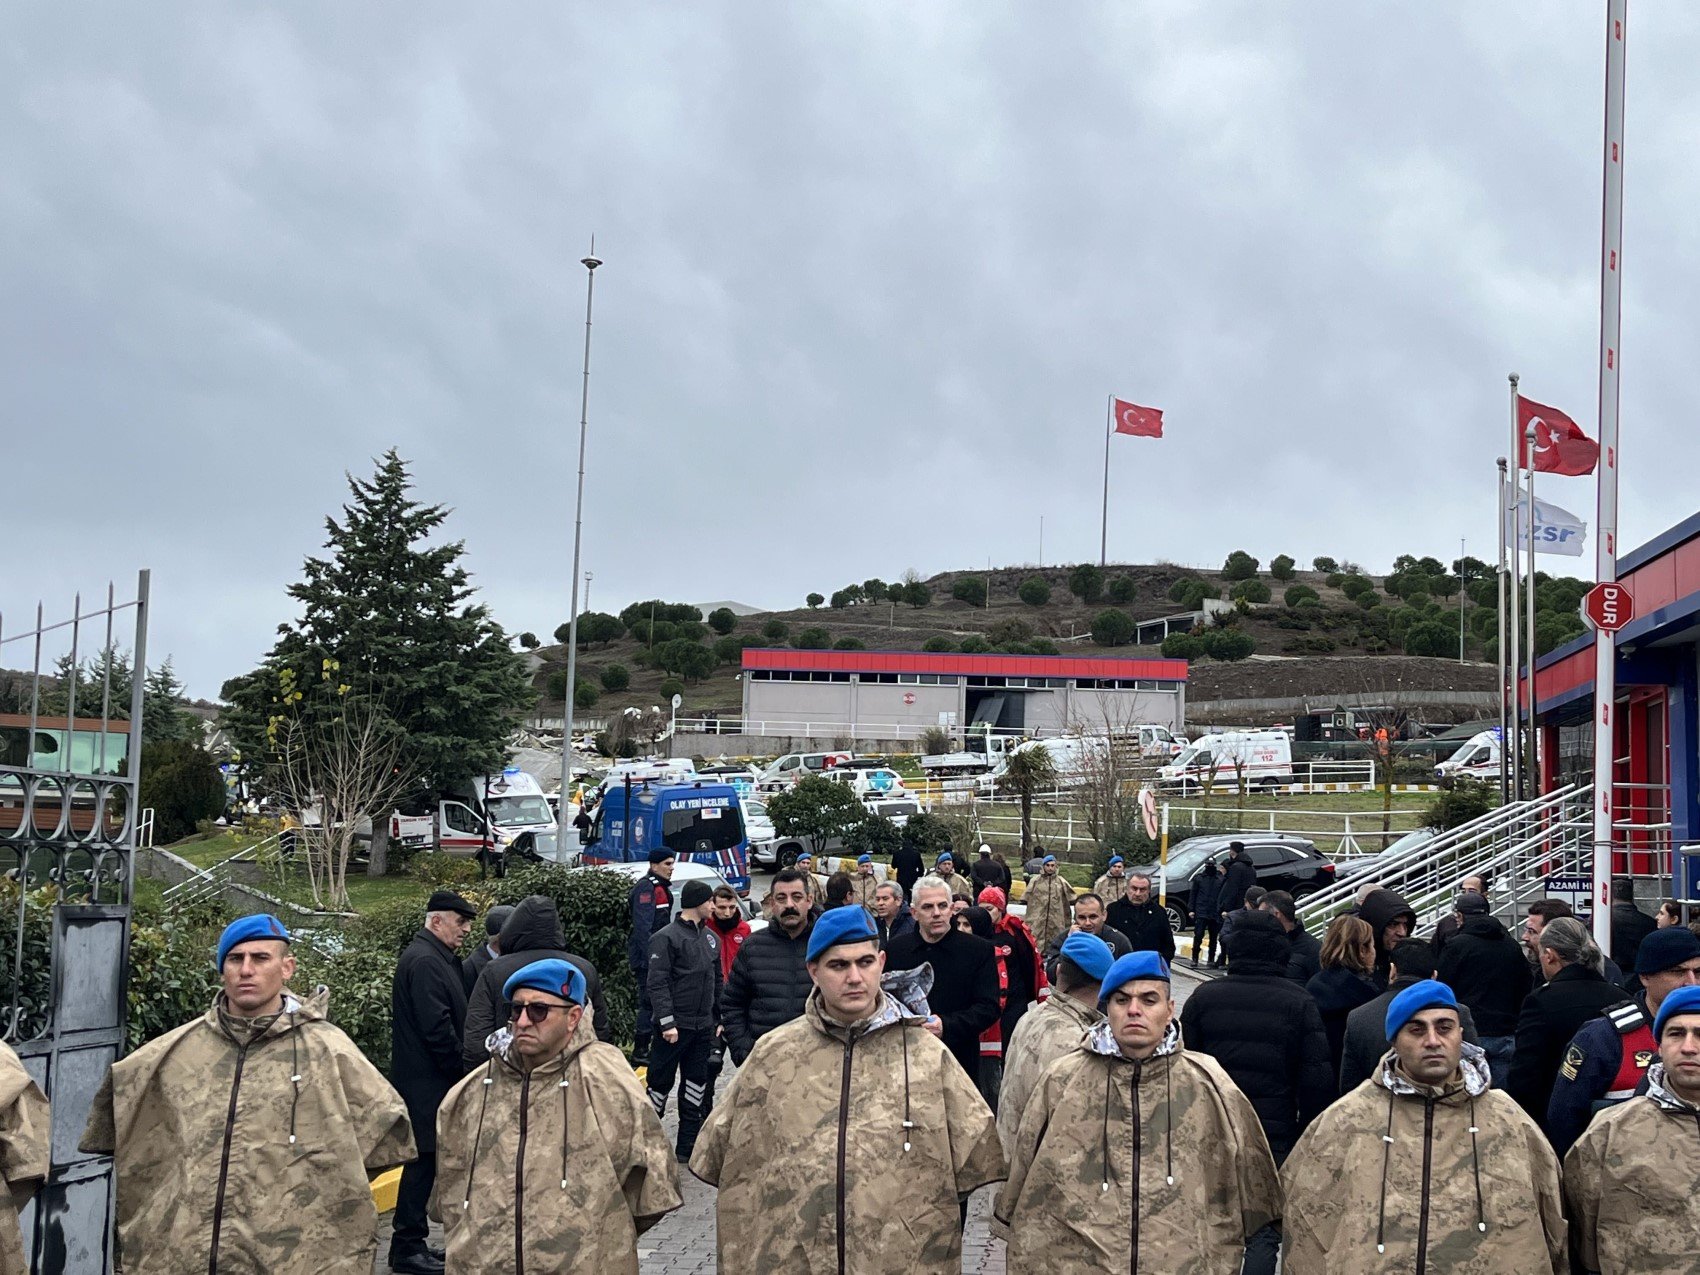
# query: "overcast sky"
871, 271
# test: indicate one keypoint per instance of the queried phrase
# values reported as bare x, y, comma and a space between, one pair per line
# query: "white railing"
1354, 832
144, 830
842, 730
208, 882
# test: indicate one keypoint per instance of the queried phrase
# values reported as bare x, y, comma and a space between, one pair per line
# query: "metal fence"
69, 773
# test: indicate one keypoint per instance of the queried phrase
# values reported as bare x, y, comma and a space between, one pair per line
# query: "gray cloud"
871, 270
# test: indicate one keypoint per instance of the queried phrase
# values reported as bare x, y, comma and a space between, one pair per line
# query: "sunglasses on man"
535, 1012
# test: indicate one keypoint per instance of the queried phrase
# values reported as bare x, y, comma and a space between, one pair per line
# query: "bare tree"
1108, 789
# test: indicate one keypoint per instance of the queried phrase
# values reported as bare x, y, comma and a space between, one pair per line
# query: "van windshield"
686, 831
524, 811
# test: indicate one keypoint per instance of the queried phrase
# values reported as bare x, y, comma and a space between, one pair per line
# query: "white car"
683, 872
760, 833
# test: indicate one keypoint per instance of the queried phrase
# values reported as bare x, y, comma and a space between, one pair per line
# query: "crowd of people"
1364, 1101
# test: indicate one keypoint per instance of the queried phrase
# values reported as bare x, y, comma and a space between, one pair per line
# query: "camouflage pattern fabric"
1050, 903
1335, 1191
597, 1169
1629, 1181
862, 888
296, 1195
1177, 1187
1040, 1038
772, 1146
1109, 888
25, 1129
960, 886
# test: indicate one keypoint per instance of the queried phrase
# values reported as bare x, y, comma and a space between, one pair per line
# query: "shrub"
934, 741
670, 687
1042, 646
1178, 589
1112, 628
1369, 600
1466, 800
722, 621
1353, 586
1251, 591
1325, 565
1193, 596
812, 639
928, 833
1086, 582
814, 600
1123, 589
586, 695
849, 644
730, 650
1034, 591
1281, 567
1336, 580
877, 836
529, 642
1183, 646
1298, 593
1240, 565
615, 677
775, 630
975, 645
1431, 637
1009, 632
969, 589
181, 781
938, 643
1228, 644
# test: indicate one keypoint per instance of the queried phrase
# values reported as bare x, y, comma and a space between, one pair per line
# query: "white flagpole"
1605, 530
1104, 533
1504, 689
1529, 620
1514, 740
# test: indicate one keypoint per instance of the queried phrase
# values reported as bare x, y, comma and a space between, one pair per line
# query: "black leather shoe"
422, 1263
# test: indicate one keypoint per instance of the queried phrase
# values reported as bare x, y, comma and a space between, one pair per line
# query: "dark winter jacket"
428, 1015
1337, 992
1381, 909
1486, 969
1206, 901
898, 926
1119, 947
1447, 930
1238, 876
769, 985
965, 987
532, 933
908, 867
1629, 925
1366, 1036
684, 977
1266, 1032
1304, 955
1146, 926
652, 908
987, 871
474, 965
1551, 1016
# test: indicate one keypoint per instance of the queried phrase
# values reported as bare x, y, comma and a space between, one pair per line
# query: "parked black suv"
1283, 862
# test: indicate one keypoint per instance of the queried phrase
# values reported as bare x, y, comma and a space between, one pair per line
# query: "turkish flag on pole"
1130, 418
1560, 445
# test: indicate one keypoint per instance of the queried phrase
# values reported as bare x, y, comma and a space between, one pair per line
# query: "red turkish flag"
1130, 418
1560, 445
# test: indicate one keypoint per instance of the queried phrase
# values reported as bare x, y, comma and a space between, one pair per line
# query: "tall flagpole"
1529, 620
1104, 534
1605, 531
1514, 741
1504, 693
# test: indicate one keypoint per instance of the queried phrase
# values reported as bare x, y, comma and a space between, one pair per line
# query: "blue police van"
699, 822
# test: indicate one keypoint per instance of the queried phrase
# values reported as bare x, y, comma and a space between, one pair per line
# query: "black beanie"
695, 894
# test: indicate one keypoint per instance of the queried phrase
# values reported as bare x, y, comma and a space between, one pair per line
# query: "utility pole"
587, 576
1460, 599
589, 263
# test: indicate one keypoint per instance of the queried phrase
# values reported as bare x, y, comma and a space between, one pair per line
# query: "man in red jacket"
726, 919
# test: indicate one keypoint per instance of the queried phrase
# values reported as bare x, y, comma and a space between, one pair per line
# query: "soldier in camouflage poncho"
243, 1140
1049, 901
25, 1126
850, 1136
1054, 1029
1134, 1154
1423, 1168
1630, 1179
549, 1157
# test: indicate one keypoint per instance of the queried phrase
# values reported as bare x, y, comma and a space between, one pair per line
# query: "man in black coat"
1629, 924
1304, 957
908, 867
964, 999
1575, 992
986, 871
531, 933
428, 1011
1366, 1040
1393, 921
1485, 968
1137, 915
1266, 1032
651, 902
769, 983
481, 956
1238, 876
684, 990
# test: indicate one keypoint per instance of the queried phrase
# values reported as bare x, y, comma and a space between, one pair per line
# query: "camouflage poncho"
1040, 1038
570, 1164
299, 1114
1049, 902
816, 1169
25, 1125
1630, 1184
1442, 1200
1119, 1165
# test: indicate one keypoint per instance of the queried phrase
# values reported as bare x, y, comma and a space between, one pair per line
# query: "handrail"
210, 880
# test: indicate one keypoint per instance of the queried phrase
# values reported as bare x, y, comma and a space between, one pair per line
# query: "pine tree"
393, 616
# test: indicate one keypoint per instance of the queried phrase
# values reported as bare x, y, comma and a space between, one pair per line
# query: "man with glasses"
549, 1156
1146, 925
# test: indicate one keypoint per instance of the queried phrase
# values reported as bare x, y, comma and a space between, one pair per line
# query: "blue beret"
1050, 858
1090, 953
246, 929
557, 977
1428, 994
1666, 949
866, 858
1115, 859
1684, 1000
805, 857
1127, 968
947, 855
841, 925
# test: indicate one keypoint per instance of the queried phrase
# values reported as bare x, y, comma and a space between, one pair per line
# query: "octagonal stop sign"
1608, 606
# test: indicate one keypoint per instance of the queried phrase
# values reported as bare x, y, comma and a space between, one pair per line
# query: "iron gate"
70, 759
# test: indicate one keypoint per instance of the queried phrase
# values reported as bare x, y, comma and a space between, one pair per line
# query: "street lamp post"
590, 263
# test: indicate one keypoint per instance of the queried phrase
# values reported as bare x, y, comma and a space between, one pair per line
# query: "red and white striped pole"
1605, 532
